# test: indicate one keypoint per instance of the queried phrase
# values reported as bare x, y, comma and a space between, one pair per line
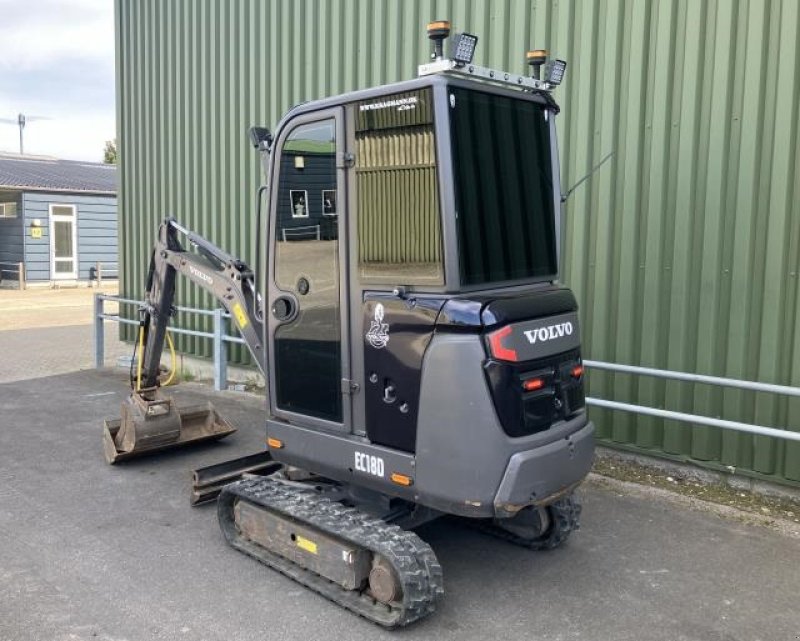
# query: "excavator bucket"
154, 424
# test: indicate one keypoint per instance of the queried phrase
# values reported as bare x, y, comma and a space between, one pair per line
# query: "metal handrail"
18, 271
736, 426
719, 381
694, 378
101, 269
218, 335
220, 339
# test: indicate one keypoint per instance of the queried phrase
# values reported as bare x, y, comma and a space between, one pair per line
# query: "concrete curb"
648, 492
702, 475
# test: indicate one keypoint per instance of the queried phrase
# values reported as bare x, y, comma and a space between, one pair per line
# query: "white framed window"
62, 210
63, 242
299, 199
8, 210
329, 202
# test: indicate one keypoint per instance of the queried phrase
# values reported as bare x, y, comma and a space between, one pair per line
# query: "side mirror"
261, 138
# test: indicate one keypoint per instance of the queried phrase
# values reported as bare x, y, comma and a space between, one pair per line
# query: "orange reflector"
274, 443
533, 384
401, 479
577, 371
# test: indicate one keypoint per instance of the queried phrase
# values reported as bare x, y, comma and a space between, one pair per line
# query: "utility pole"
21, 121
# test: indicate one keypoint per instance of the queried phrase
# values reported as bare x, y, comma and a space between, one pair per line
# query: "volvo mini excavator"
421, 358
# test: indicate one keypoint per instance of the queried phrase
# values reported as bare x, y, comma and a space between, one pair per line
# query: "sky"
57, 62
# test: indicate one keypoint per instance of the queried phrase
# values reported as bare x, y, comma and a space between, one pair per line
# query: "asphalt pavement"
90, 551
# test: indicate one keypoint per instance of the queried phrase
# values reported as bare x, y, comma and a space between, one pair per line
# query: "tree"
110, 152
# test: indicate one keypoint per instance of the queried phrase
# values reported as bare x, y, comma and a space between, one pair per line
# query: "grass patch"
687, 485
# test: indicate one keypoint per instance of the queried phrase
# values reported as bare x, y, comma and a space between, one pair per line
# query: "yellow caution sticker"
241, 317
304, 544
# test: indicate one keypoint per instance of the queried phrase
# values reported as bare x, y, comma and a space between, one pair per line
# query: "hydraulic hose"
173, 363
139, 362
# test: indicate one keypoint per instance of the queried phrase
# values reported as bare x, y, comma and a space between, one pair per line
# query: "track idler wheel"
383, 582
538, 528
564, 517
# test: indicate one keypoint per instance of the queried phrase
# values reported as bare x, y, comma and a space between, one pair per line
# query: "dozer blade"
154, 424
207, 482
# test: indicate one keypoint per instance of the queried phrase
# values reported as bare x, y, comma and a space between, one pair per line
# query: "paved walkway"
44, 307
92, 552
49, 331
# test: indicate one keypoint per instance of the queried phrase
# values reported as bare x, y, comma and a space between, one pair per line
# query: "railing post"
220, 352
22, 276
99, 339
98, 273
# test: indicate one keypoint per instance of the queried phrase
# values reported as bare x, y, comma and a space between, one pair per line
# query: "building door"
307, 286
63, 242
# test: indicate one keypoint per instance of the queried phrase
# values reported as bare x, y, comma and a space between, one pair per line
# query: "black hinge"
349, 387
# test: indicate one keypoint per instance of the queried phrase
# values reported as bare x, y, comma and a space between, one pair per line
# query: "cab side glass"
397, 196
308, 347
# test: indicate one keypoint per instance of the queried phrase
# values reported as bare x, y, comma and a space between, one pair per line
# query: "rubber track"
413, 560
565, 518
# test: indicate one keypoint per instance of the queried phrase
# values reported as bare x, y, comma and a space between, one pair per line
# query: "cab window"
398, 214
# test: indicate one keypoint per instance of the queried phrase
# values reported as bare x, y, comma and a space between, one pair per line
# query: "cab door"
309, 365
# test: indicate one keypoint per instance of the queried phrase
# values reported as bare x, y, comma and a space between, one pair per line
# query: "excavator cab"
412, 294
421, 356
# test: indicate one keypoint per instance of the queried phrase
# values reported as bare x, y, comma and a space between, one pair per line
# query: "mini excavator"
421, 357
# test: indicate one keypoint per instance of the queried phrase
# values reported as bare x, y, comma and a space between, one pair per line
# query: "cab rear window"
503, 188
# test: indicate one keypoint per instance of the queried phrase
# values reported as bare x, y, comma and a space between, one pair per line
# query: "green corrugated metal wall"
683, 250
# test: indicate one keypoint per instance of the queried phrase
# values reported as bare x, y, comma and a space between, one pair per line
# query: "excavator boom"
150, 421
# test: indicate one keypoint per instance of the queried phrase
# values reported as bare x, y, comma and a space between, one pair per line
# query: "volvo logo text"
548, 333
201, 275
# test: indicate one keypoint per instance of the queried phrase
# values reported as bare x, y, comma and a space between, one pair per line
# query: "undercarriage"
356, 548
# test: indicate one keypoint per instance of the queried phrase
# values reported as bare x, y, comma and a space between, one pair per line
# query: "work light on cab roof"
462, 52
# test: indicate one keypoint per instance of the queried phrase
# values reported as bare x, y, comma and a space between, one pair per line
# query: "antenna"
21, 120
569, 191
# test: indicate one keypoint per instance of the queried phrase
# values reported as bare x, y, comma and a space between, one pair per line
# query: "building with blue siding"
58, 218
